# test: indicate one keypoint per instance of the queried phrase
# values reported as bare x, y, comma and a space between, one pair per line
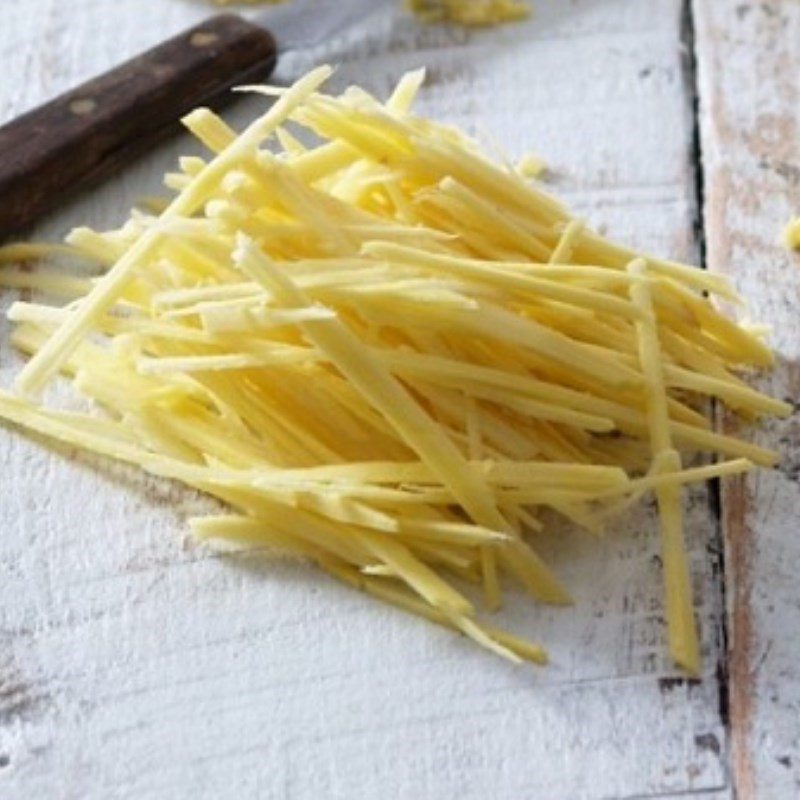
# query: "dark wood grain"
89, 133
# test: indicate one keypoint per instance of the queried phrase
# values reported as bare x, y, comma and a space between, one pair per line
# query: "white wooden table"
136, 664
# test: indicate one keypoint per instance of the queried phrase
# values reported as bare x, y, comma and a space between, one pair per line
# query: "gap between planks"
715, 497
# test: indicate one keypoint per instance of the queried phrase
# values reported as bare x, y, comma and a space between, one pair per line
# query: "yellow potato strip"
683, 641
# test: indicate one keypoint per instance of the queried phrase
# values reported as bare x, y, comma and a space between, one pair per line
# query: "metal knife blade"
304, 24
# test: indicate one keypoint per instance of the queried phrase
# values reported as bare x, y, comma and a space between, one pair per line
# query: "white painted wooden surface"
749, 66
135, 664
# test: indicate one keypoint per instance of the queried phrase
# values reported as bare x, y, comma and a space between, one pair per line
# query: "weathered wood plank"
134, 663
749, 67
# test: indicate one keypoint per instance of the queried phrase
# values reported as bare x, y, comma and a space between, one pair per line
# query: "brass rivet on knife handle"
89, 133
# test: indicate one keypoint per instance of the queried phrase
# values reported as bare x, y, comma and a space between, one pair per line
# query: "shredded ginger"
391, 356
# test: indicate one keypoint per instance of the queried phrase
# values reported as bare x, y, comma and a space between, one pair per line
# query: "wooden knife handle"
89, 133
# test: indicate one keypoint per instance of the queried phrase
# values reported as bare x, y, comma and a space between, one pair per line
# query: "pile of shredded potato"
392, 356
248, 2
473, 13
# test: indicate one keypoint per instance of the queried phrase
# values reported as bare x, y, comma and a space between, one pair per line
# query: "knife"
89, 133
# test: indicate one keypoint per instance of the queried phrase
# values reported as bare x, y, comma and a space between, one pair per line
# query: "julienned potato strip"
391, 356
791, 234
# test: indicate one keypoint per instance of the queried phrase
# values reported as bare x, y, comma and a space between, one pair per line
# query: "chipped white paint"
134, 664
750, 102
